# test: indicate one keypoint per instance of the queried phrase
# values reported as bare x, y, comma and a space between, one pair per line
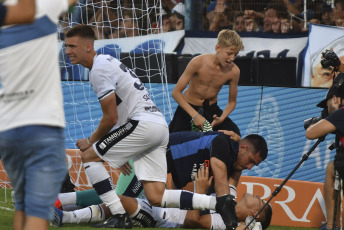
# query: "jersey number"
139, 85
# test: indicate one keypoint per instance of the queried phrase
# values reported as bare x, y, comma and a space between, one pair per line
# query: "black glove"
330, 58
225, 206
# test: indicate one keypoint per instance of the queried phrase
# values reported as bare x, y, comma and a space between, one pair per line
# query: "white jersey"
30, 88
109, 75
175, 217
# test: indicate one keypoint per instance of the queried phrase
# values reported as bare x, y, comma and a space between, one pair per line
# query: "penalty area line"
8, 209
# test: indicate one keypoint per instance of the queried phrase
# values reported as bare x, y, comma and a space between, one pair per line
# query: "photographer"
333, 123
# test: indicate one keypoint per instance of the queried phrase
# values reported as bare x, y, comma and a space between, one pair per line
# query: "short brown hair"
265, 217
229, 38
81, 30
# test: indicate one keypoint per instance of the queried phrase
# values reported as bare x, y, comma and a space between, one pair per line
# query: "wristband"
88, 140
194, 118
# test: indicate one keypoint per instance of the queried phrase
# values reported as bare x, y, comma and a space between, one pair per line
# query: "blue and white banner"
255, 44
320, 38
152, 44
161, 43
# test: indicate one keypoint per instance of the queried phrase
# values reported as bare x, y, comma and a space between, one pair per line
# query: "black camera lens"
310, 121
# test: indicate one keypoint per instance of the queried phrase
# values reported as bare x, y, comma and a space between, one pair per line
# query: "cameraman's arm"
320, 129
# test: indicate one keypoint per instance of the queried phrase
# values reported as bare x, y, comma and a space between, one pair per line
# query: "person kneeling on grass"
144, 215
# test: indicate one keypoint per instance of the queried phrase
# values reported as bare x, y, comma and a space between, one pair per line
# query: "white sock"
104, 186
67, 198
90, 214
202, 202
187, 200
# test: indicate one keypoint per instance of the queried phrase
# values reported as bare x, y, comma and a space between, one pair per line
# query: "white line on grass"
8, 209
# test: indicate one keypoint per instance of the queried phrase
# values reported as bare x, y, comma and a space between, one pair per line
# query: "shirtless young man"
205, 75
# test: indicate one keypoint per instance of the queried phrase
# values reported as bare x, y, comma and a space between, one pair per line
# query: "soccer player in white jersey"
132, 127
32, 121
144, 215
22, 12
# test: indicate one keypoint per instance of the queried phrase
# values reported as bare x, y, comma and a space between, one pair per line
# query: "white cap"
162, 12
179, 8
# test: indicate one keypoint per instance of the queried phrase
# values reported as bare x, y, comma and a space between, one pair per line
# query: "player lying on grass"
144, 215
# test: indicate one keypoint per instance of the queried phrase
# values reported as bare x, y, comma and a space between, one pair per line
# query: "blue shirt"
191, 150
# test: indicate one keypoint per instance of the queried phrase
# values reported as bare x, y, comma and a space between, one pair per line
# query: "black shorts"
181, 119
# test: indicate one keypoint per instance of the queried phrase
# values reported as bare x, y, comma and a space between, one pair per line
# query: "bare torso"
208, 80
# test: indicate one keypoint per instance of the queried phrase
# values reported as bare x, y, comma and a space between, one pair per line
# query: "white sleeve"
101, 83
53, 8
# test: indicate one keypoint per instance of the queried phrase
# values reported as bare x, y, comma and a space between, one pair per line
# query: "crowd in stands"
273, 16
111, 20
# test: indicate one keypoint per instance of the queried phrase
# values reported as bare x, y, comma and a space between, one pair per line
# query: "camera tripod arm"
278, 189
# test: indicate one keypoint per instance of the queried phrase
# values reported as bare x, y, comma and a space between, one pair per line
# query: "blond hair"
229, 38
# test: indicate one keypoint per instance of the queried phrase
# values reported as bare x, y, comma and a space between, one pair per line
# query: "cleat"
58, 216
225, 206
58, 204
116, 221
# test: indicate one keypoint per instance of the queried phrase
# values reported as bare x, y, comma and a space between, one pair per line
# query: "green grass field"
7, 212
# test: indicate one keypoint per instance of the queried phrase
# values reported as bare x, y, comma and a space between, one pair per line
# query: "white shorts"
143, 141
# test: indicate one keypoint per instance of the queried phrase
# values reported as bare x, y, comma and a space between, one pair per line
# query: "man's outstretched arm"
193, 219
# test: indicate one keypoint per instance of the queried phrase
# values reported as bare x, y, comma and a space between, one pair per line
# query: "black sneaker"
116, 221
225, 206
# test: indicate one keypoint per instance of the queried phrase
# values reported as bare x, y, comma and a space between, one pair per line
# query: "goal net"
130, 32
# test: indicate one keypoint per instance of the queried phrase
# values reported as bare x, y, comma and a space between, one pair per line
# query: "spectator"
239, 23
289, 26
251, 21
276, 25
340, 22
251, 25
269, 16
177, 17
105, 24
128, 25
218, 18
166, 23
338, 9
327, 15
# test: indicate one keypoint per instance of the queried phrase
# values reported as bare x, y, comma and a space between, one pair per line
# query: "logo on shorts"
113, 136
102, 146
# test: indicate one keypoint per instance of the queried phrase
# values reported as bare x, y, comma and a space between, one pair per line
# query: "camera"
313, 120
310, 121
330, 59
